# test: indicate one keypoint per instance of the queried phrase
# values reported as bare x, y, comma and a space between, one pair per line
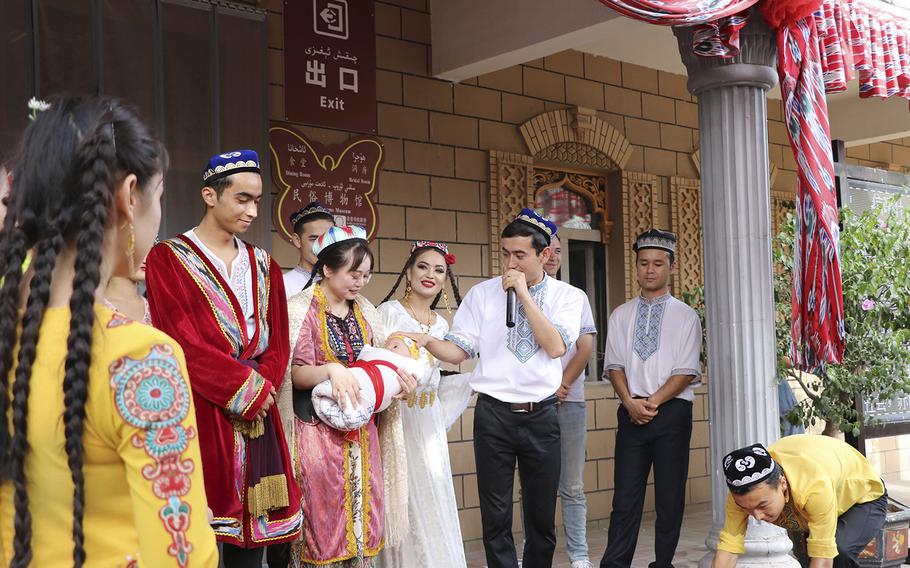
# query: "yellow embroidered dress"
145, 501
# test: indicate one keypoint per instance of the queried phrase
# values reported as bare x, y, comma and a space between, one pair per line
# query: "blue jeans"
573, 430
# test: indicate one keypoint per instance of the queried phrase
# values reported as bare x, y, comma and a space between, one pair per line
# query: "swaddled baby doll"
376, 370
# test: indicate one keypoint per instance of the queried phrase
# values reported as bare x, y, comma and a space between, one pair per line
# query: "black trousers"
663, 442
237, 557
501, 438
855, 528
278, 555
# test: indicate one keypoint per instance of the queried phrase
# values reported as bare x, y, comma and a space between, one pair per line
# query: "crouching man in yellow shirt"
813, 484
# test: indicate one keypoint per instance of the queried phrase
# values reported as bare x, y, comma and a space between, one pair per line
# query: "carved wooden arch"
565, 135
572, 136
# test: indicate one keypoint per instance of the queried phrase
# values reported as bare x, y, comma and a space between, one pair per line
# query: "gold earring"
131, 249
407, 292
445, 300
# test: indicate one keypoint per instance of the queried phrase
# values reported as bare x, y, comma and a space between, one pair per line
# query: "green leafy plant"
696, 300
875, 269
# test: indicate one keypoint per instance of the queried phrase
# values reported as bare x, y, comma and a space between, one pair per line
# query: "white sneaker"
582, 564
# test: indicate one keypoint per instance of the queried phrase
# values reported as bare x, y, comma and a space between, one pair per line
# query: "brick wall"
434, 184
888, 155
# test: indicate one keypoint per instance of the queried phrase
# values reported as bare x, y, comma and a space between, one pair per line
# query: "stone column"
736, 202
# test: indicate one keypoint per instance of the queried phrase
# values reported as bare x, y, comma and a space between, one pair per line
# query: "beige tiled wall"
890, 155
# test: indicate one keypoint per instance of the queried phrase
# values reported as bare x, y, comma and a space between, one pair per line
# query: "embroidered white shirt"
239, 278
577, 392
512, 366
653, 340
294, 281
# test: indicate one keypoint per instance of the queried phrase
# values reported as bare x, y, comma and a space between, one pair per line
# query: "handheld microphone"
511, 307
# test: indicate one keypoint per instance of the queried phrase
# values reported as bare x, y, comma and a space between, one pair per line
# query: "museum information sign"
344, 178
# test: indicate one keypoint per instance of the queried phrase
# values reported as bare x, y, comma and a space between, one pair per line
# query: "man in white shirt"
309, 224
573, 426
517, 376
652, 359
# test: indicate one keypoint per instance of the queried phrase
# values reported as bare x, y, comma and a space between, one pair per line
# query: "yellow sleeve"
821, 510
156, 437
733, 535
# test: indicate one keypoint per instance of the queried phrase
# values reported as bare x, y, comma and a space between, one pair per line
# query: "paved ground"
691, 548
691, 543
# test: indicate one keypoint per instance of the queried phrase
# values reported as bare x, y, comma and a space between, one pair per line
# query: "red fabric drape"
678, 12
818, 311
869, 37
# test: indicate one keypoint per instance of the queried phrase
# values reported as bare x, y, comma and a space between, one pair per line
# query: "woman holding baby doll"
434, 538
341, 474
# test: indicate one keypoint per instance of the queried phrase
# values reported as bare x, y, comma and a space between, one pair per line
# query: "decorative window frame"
558, 140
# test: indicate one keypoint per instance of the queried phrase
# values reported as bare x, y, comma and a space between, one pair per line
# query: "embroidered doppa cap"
748, 466
656, 239
546, 227
312, 211
337, 235
441, 247
223, 165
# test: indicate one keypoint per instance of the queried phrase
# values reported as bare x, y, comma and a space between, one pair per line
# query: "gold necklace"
424, 327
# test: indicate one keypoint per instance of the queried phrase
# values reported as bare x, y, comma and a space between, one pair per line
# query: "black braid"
9, 231
316, 270
451, 277
454, 282
45, 256
97, 156
395, 287
15, 246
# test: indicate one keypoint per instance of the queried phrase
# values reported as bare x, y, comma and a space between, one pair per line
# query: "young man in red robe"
223, 300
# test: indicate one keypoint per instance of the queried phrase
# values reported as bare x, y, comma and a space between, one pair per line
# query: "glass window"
565, 207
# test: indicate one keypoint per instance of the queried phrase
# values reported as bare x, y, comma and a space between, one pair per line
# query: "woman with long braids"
434, 538
351, 508
99, 461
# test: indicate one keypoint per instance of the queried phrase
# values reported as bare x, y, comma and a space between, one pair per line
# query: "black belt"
522, 407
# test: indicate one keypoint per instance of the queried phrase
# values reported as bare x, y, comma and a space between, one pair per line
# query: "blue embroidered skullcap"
546, 227
337, 235
223, 165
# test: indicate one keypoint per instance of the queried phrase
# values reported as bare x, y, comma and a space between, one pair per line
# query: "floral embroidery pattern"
117, 320
647, 326
343, 334
264, 289
521, 340
789, 519
462, 344
151, 395
238, 285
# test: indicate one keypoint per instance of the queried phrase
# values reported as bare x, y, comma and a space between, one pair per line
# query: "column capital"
754, 66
